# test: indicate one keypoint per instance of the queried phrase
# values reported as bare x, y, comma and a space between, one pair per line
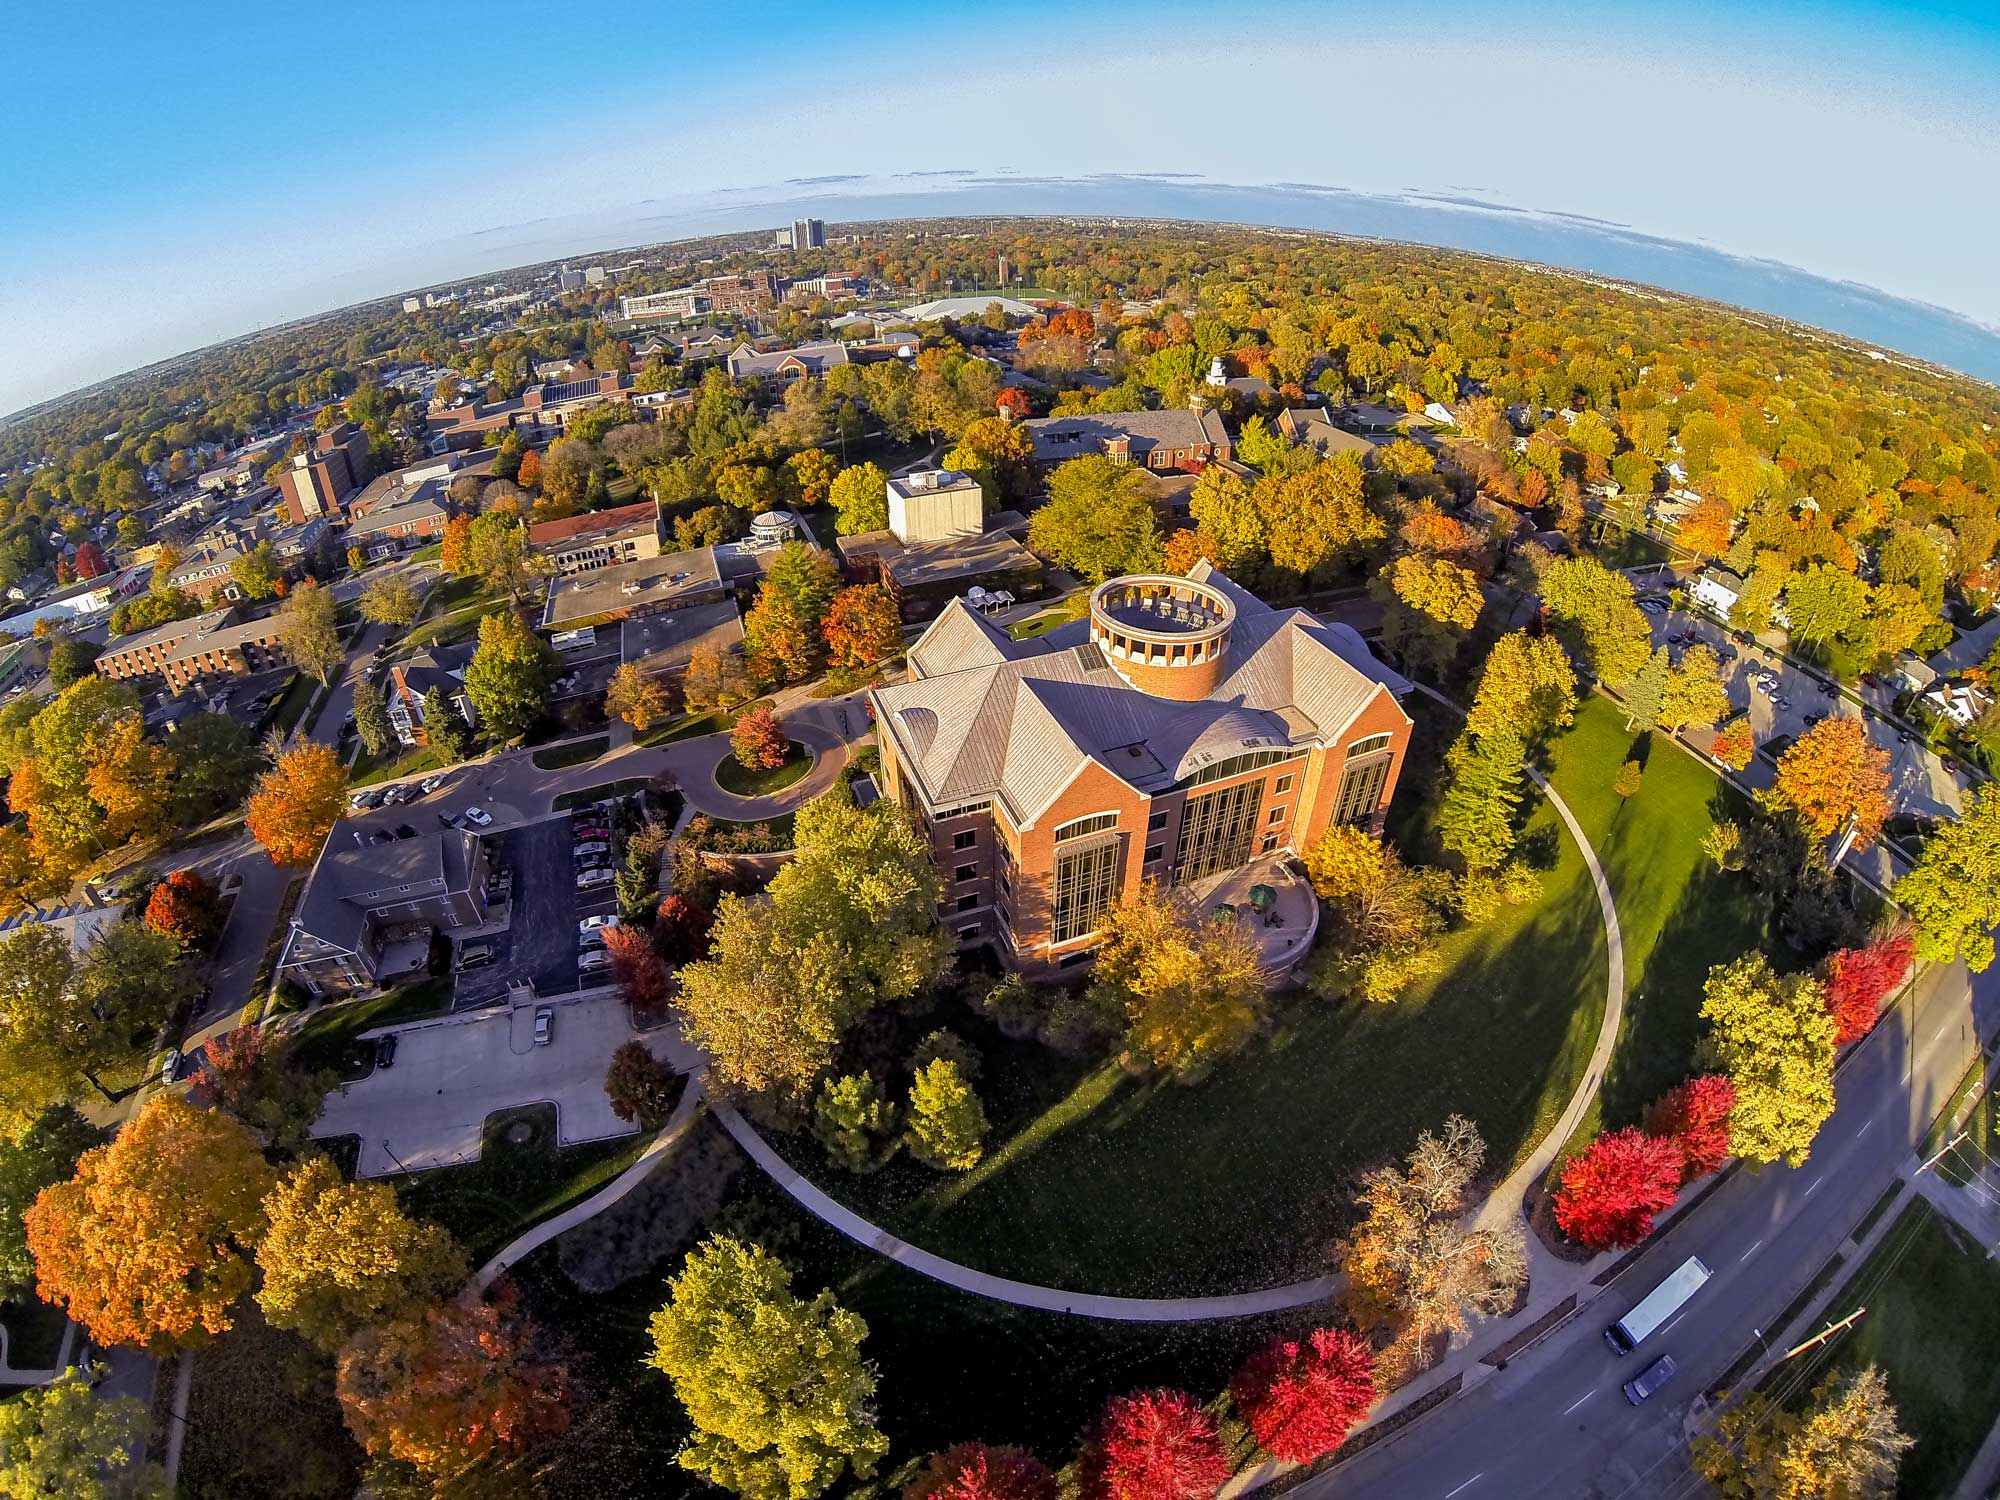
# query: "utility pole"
1828, 1332
1949, 1146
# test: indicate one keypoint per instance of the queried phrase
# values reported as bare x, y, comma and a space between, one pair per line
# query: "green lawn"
732, 776
325, 1038
284, 714
1105, 1183
263, 1419
398, 762
1978, 1120
1679, 915
1933, 1318
573, 754
692, 726
515, 1184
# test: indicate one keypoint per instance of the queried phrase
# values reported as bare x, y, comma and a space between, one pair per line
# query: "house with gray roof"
1179, 438
1180, 731
371, 907
783, 366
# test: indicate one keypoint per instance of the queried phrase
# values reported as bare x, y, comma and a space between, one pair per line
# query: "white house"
1716, 590
1960, 702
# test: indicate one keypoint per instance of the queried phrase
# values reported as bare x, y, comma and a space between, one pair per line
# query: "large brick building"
183, 652
1179, 438
1180, 732
599, 538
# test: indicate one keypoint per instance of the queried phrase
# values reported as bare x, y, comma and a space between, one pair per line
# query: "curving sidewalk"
540, 1234
1502, 1204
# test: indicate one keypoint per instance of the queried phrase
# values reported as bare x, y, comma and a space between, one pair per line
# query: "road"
1555, 1421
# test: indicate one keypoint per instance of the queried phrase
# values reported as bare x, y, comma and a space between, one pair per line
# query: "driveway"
428, 1108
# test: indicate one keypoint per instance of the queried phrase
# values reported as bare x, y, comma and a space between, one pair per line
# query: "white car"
594, 847
590, 880
591, 941
171, 1065
591, 924
431, 783
478, 817
596, 958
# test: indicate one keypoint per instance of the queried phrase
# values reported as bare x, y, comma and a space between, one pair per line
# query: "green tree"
63, 1439
947, 1123
1646, 693
71, 659
1593, 608
1825, 604
860, 498
1774, 1038
1224, 507
256, 572
309, 630
214, 760
1483, 791
43, 1154
1952, 895
854, 1122
508, 678
497, 553
781, 1401
393, 600
371, 719
1099, 520
445, 728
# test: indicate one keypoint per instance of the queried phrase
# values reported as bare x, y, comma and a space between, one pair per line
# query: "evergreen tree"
1646, 693
947, 1125
447, 730
1476, 819
851, 1119
371, 719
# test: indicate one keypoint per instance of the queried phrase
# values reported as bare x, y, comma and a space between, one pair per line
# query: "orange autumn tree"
186, 907
297, 802
758, 742
1706, 527
149, 1243
1832, 773
862, 626
456, 550
452, 1385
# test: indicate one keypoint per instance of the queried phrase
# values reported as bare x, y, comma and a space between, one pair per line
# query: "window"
1236, 765
965, 903
1277, 817
1216, 830
1153, 852
1269, 843
1158, 821
1282, 785
966, 839
967, 934
1361, 790
1078, 828
1368, 745
965, 872
1086, 880
1070, 961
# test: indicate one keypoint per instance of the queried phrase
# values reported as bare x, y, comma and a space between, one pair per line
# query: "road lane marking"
1676, 1318
1473, 1480
1815, 1187
1870, 1125
1578, 1402
1748, 1253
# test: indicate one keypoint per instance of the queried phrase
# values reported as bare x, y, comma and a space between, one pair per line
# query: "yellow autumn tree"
1526, 690
1832, 773
297, 802
1443, 590
1188, 990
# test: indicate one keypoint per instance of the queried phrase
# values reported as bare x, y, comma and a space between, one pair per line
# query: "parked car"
1650, 1379
478, 817
591, 828
545, 1022
431, 783
171, 1065
385, 1051
1653, 606
590, 880
365, 799
475, 956
591, 847
586, 941
591, 924
595, 959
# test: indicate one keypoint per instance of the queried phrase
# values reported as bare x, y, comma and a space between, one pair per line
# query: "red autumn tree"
1155, 1445
444, 1389
1695, 1116
680, 930
1302, 1399
1611, 1191
635, 968
639, 1086
1859, 979
1734, 745
862, 626
974, 1471
186, 907
1013, 401
757, 741
89, 561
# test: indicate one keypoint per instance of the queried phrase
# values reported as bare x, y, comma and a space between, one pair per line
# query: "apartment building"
184, 652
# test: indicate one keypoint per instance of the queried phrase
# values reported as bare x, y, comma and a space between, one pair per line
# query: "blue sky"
198, 171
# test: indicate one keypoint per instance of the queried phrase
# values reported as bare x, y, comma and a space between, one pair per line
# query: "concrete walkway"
677, 1126
1552, 1278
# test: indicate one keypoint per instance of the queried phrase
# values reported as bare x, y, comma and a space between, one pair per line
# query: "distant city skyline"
267, 166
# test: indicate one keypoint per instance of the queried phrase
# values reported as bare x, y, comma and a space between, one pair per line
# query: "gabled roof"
1060, 438
985, 715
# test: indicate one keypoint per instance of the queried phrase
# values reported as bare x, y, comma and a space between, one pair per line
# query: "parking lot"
428, 1108
540, 942
1920, 783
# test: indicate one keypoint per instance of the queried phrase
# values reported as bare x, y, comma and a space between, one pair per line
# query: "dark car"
385, 1051
1650, 1379
405, 831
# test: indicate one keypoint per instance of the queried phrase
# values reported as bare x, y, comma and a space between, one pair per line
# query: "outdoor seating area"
1272, 900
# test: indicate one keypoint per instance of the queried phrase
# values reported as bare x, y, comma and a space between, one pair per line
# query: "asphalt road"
1555, 1421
